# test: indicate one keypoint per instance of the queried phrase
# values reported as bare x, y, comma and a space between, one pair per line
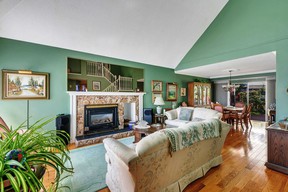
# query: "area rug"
89, 168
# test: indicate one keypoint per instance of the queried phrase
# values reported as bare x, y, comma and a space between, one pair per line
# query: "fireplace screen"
102, 118
99, 118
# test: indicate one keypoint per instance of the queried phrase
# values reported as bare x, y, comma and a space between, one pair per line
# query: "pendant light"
230, 87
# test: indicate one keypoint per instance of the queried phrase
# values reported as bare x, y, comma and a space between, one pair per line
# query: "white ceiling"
158, 32
256, 64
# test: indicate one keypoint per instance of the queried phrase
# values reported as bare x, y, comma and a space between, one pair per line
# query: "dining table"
233, 109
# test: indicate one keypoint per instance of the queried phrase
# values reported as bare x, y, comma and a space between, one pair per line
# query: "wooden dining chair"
239, 104
225, 114
239, 117
248, 115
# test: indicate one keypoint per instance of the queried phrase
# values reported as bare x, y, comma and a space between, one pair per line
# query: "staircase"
117, 84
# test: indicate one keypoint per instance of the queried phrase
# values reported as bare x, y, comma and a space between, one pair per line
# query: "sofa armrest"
172, 114
120, 150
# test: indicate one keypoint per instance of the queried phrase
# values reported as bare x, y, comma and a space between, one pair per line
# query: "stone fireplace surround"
79, 99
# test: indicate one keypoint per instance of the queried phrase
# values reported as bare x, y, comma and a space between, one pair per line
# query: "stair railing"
108, 75
125, 83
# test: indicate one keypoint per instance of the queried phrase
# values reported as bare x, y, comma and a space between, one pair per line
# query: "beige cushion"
172, 114
204, 113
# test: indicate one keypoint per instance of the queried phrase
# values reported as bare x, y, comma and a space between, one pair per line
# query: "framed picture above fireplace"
24, 84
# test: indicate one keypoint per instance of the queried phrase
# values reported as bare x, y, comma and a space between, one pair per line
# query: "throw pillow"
185, 114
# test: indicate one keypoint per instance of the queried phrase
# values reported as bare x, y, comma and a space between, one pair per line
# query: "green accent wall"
245, 28
16, 55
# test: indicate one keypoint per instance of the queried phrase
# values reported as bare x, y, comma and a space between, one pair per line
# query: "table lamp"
159, 101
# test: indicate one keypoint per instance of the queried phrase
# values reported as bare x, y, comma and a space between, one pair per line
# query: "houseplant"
24, 156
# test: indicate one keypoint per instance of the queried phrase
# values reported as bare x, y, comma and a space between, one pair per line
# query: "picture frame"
24, 84
96, 85
154, 95
156, 86
183, 92
171, 92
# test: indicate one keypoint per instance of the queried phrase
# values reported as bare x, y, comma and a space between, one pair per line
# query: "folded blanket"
190, 133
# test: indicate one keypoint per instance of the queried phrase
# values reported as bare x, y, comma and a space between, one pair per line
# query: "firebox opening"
100, 118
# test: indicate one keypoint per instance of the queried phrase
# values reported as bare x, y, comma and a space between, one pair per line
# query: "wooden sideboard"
277, 146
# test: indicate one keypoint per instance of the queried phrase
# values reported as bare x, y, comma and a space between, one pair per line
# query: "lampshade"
159, 101
230, 87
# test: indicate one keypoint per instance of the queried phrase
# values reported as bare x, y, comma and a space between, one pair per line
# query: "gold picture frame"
25, 85
156, 86
171, 92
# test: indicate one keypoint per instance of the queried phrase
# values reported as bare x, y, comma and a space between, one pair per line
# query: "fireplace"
100, 118
78, 101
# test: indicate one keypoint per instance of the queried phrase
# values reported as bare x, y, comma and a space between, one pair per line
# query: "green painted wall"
17, 55
244, 28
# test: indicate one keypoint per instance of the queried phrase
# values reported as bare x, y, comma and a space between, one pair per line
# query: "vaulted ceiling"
158, 32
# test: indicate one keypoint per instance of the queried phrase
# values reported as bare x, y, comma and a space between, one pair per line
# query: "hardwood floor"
243, 169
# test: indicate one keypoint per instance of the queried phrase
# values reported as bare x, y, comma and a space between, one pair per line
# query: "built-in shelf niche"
83, 75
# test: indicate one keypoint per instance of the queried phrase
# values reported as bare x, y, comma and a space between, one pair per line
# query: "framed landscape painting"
171, 92
25, 85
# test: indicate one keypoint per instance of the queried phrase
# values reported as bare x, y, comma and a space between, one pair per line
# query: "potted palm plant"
24, 157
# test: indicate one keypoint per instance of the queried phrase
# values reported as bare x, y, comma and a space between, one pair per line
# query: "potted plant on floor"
25, 155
